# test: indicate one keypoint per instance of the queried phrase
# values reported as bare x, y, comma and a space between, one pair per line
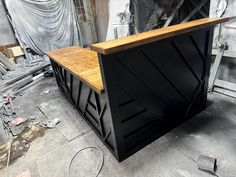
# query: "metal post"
216, 66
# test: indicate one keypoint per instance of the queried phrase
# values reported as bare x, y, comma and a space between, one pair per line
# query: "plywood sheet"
81, 62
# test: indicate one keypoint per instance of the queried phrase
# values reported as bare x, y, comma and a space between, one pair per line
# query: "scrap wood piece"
3, 48
6, 103
23, 73
25, 173
19, 84
3, 70
7, 63
2, 102
49, 73
18, 121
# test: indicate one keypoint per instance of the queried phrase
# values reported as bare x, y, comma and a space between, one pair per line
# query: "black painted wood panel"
155, 87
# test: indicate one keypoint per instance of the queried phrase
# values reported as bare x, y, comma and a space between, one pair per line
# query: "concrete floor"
212, 132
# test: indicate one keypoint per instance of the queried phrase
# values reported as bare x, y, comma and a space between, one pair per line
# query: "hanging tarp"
44, 25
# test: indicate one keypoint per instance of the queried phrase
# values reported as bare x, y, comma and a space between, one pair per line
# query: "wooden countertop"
136, 40
83, 63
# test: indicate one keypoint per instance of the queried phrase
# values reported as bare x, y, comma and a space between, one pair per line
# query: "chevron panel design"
90, 105
153, 88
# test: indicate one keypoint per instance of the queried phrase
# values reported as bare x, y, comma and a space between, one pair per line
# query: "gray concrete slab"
158, 159
26, 106
212, 132
50, 141
72, 124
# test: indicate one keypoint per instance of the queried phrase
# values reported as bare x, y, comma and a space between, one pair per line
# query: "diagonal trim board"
5, 61
72, 125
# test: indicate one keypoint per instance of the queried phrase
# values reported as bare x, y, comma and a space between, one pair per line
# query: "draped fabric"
44, 25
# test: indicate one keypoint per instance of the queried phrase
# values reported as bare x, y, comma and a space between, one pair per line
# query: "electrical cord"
89, 147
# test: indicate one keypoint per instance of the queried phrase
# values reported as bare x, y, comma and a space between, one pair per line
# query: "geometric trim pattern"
148, 90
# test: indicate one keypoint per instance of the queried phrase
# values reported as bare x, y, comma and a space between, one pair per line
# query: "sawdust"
20, 144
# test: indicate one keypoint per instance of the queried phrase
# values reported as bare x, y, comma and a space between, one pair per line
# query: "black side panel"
153, 88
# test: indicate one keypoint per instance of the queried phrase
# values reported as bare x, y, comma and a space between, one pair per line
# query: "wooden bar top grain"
83, 63
136, 40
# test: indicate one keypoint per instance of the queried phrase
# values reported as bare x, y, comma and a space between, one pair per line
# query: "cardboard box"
15, 52
4, 48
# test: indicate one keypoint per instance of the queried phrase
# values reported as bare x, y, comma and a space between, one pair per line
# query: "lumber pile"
8, 57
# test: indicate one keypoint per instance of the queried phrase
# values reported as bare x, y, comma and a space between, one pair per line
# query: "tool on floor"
207, 164
8, 84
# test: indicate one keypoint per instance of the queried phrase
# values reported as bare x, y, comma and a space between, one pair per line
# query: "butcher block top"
83, 63
136, 40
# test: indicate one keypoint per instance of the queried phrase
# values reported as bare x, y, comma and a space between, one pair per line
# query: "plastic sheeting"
147, 14
44, 25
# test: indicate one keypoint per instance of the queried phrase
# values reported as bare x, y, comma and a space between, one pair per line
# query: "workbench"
135, 89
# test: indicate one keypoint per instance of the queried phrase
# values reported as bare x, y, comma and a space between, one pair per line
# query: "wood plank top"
136, 40
83, 63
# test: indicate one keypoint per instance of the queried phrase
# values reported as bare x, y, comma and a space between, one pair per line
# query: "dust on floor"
212, 132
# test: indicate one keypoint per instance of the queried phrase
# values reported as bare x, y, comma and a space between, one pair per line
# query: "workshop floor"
212, 132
